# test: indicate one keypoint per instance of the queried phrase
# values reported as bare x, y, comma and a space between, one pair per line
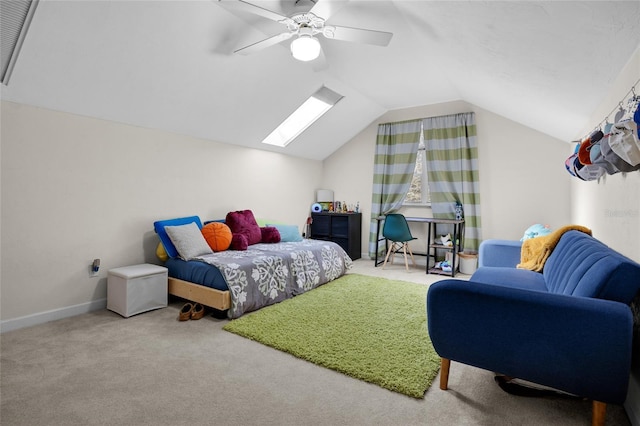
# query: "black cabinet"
344, 229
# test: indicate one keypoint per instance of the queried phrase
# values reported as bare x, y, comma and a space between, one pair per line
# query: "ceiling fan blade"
358, 35
326, 8
263, 44
255, 9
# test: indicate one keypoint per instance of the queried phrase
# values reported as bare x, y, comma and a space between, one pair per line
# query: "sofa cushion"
580, 265
499, 253
510, 277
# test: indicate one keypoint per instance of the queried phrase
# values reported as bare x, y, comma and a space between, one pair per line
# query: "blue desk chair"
396, 229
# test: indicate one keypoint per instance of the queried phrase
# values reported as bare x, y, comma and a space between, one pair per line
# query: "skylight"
303, 117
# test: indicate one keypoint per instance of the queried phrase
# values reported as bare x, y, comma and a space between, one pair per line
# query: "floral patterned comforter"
265, 274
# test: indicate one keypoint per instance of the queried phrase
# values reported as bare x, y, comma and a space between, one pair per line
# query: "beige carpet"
102, 369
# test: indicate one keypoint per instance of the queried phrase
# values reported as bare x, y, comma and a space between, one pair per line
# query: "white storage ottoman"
135, 289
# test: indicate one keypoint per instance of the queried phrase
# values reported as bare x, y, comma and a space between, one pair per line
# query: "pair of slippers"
193, 311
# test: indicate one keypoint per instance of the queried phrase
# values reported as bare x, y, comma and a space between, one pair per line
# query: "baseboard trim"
632, 404
55, 314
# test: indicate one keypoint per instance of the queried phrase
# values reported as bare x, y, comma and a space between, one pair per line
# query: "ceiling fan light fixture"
305, 48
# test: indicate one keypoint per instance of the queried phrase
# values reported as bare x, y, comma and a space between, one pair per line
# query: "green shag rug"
373, 329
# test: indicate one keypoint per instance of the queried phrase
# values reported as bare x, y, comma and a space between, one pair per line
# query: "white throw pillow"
189, 241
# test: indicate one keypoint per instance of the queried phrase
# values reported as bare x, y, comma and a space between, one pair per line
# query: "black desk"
432, 223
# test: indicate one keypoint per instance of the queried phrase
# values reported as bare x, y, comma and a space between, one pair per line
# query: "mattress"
196, 272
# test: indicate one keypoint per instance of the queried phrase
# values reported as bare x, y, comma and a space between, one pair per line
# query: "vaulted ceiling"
170, 65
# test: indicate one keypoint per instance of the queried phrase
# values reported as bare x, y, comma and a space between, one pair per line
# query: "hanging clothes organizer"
613, 147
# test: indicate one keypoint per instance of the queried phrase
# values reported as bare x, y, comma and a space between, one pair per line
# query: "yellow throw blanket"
536, 251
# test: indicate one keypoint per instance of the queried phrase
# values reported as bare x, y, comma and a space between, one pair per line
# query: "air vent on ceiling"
15, 17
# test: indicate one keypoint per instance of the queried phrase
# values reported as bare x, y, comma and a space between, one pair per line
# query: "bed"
240, 281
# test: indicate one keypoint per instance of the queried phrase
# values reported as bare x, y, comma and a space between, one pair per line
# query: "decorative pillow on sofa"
188, 240
161, 253
288, 233
159, 226
243, 222
218, 235
270, 234
239, 242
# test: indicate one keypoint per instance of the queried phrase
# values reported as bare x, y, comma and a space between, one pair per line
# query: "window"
306, 114
418, 194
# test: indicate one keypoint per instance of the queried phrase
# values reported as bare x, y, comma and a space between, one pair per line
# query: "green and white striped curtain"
395, 159
452, 165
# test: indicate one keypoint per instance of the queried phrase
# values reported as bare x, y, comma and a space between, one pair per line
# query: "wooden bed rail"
207, 296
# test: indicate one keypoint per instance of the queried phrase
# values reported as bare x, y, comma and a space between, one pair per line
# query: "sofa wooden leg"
599, 413
445, 364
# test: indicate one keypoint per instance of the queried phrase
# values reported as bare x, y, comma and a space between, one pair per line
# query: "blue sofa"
569, 327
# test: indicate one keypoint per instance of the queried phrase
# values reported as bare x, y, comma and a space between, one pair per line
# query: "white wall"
611, 208
76, 188
522, 175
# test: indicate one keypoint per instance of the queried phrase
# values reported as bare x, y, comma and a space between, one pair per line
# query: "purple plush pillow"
270, 234
243, 222
238, 242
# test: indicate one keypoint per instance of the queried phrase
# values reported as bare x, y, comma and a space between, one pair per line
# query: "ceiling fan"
306, 26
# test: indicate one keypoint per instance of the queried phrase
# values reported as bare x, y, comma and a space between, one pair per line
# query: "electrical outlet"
94, 268
93, 273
